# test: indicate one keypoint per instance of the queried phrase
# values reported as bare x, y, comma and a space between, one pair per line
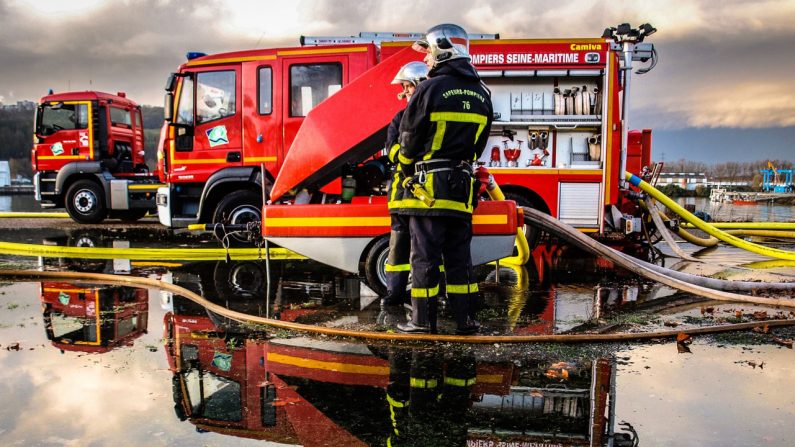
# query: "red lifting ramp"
347, 127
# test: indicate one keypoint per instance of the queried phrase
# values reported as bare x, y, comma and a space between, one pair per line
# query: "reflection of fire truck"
556, 143
95, 319
299, 391
89, 157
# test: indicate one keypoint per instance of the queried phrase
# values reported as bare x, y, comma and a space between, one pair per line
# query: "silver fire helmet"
414, 72
444, 42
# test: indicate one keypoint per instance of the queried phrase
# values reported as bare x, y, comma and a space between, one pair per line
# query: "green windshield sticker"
63, 297
57, 148
222, 361
217, 136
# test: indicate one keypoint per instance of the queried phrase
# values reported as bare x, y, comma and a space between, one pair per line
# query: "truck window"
215, 95
312, 83
185, 106
59, 116
265, 90
120, 117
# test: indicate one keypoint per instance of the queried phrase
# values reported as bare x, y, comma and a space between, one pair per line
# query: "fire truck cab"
88, 156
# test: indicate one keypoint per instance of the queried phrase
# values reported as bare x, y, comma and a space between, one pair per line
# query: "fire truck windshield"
212, 396
57, 116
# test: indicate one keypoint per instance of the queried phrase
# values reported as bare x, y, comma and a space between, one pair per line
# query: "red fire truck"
88, 156
95, 319
299, 392
558, 143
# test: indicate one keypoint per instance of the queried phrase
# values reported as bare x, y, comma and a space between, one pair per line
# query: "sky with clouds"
726, 65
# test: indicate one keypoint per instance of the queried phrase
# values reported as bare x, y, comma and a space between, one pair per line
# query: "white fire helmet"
444, 42
414, 72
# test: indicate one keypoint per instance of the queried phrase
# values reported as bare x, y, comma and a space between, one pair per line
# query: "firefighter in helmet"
443, 130
397, 265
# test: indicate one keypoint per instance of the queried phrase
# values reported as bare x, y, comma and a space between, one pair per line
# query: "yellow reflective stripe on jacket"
440, 204
415, 382
421, 292
402, 159
459, 382
395, 187
395, 403
397, 268
393, 153
462, 288
442, 118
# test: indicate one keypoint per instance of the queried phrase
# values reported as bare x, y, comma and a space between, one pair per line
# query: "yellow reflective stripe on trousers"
463, 288
397, 268
415, 382
459, 382
420, 292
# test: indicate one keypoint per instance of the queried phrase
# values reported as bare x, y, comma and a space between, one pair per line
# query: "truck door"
63, 134
262, 130
208, 135
308, 82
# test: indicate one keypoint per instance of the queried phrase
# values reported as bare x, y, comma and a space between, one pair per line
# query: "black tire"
130, 215
239, 207
375, 266
85, 202
533, 234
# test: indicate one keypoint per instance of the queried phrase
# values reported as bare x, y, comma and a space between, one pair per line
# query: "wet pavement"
84, 364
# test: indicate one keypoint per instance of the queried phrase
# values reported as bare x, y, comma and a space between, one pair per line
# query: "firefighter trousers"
397, 264
434, 238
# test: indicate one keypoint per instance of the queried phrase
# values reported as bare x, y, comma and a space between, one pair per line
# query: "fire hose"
704, 226
681, 281
102, 278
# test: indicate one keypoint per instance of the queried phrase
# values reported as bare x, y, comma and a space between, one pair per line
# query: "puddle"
105, 364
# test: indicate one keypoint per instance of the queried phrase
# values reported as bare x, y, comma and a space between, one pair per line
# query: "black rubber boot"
464, 324
419, 323
392, 300
433, 311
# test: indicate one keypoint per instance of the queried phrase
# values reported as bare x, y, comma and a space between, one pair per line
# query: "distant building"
5, 173
684, 180
20, 105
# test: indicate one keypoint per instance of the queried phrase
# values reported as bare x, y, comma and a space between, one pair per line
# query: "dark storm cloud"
718, 67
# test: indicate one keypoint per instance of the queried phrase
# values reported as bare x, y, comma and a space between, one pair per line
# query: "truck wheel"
533, 234
85, 202
130, 215
375, 266
240, 207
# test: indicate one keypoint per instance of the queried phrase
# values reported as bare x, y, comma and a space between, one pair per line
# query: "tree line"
730, 171
16, 137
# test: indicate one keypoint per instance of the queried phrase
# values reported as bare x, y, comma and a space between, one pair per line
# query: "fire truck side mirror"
168, 107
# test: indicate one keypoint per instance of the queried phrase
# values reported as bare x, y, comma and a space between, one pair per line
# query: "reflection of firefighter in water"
428, 399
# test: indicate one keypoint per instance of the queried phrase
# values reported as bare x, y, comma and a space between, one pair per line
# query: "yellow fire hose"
747, 225
131, 281
33, 215
707, 228
145, 254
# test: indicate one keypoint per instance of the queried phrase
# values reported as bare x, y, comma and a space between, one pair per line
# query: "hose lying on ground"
664, 231
703, 226
132, 281
747, 225
554, 226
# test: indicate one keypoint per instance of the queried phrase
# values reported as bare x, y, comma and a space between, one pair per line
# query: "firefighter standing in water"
443, 129
397, 265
